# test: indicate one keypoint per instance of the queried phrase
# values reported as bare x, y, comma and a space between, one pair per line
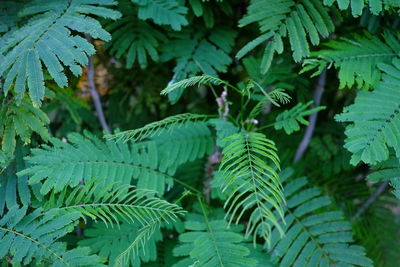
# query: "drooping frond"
110, 242
156, 128
315, 233
36, 234
356, 59
183, 143
49, 39
210, 243
132, 38
135, 247
374, 130
163, 12
86, 157
141, 42
289, 119
193, 81
249, 168
21, 121
111, 204
198, 52
357, 6
302, 21
14, 190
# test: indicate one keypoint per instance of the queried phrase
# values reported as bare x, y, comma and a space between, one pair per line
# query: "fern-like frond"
315, 233
356, 58
134, 39
183, 142
14, 190
110, 242
193, 81
21, 120
302, 21
163, 12
211, 243
87, 157
274, 97
111, 204
34, 236
49, 37
249, 168
156, 128
289, 119
357, 6
374, 130
198, 52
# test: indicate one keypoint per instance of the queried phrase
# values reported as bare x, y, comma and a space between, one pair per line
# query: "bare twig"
319, 90
371, 199
95, 96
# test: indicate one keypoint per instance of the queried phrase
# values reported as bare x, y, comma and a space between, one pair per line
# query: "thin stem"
371, 200
266, 126
95, 95
319, 90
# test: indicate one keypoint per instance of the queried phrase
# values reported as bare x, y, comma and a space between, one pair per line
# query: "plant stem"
95, 95
371, 199
319, 90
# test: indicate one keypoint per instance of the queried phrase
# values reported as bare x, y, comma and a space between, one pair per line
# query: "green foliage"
115, 162
373, 131
192, 81
14, 190
209, 243
375, 6
141, 42
87, 157
302, 21
163, 12
21, 121
110, 205
156, 128
356, 58
34, 235
110, 242
47, 38
250, 166
315, 234
184, 142
289, 119
198, 51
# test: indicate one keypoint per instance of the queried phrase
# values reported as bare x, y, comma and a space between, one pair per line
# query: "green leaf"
315, 233
249, 168
36, 236
47, 37
289, 119
163, 12
373, 130
210, 243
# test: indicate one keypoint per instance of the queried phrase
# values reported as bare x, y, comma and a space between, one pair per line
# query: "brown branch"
319, 90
